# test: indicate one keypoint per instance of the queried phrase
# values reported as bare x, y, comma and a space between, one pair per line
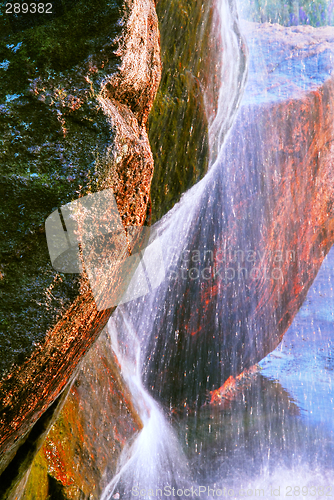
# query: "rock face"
80, 454
178, 128
262, 227
76, 90
285, 203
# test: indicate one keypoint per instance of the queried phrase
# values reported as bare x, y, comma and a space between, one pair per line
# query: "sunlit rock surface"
79, 456
179, 108
84, 458
76, 90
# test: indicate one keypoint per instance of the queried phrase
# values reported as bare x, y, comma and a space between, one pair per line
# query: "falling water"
223, 306
155, 459
233, 77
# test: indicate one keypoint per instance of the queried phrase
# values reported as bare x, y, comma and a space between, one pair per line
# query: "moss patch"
178, 128
52, 133
31, 48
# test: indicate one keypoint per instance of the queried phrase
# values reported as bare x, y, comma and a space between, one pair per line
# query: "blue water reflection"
304, 361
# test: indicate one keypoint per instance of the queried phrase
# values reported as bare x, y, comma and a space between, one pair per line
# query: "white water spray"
155, 460
181, 337
233, 78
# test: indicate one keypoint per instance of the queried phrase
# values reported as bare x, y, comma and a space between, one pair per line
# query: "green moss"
51, 462
32, 49
37, 487
177, 125
29, 285
41, 168
48, 156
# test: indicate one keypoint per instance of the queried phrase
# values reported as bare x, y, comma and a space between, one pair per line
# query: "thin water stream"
274, 436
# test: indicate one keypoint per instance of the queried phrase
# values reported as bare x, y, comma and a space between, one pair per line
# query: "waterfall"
198, 222
233, 77
155, 459
239, 255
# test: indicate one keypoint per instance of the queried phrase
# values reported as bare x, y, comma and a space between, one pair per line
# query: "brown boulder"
84, 135
79, 456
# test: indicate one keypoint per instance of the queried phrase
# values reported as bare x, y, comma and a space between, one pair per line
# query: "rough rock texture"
76, 90
76, 460
79, 456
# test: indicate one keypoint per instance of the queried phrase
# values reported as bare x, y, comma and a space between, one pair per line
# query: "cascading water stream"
155, 459
224, 304
198, 221
233, 77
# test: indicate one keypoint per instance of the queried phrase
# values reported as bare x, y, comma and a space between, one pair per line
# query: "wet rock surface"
80, 453
79, 456
266, 221
76, 90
